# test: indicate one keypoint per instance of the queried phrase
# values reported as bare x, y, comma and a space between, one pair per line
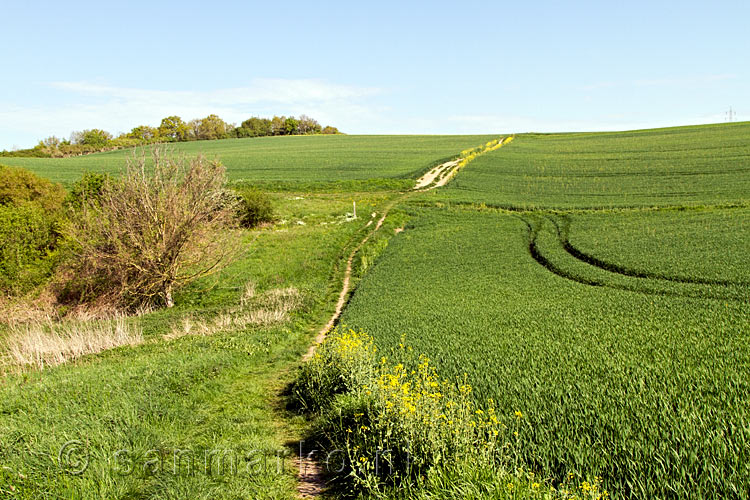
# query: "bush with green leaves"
29, 237
255, 208
87, 189
19, 186
30, 210
398, 430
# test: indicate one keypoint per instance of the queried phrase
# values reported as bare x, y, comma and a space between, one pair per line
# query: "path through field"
442, 173
311, 480
436, 177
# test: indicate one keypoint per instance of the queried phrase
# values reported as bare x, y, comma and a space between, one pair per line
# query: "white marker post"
355, 209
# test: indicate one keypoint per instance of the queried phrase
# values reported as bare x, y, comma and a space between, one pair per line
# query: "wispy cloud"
677, 82
118, 109
471, 124
261, 90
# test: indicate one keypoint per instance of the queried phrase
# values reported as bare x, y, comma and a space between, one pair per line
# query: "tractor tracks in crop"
644, 283
562, 226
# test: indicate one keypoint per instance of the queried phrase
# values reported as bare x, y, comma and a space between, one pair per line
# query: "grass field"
288, 160
703, 165
693, 245
197, 385
610, 305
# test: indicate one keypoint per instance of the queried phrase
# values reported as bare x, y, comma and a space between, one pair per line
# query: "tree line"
172, 129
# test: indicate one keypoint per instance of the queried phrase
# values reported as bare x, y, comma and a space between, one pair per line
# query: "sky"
372, 67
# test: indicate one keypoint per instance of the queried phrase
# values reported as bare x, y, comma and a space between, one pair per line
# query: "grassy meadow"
204, 381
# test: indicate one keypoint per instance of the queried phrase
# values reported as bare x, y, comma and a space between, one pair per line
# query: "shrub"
29, 236
255, 208
86, 190
19, 186
153, 230
29, 218
398, 429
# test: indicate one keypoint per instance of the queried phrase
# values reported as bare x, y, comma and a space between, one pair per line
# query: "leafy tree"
52, 142
143, 133
290, 125
278, 125
211, 127
173, 128
308, 125
94, 137
193, 129
255, 127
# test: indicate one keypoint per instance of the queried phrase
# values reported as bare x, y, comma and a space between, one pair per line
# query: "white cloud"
476, 124
120, 108
261, 90
674, 82
685, 81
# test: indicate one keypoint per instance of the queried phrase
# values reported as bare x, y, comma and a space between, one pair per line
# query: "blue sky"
373, 67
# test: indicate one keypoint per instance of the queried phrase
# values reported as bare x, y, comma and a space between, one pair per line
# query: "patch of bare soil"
311, 481
438, 172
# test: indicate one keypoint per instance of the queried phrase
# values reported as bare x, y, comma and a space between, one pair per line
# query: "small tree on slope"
156, 228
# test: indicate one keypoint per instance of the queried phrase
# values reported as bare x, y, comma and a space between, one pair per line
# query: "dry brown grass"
41, 344
248, 293
25, 309
271, 307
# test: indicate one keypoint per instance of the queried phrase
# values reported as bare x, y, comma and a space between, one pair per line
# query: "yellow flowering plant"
401, 425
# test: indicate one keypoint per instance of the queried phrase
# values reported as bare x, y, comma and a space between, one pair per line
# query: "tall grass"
43, 344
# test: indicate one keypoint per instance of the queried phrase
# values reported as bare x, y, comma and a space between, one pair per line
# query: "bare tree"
308, 125
153, 230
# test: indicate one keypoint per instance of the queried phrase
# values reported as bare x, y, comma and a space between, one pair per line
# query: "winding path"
311, 478
436, 177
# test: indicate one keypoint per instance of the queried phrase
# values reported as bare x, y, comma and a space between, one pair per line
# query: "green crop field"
692, 245
610, 305
291, 159
703, 165
647, 390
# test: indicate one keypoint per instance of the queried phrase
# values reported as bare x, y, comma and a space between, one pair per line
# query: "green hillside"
286, 159
698, 165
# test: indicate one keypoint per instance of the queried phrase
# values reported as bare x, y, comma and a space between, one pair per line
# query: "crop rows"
549, 245
706, 165
284, 160
647, 390
708, 246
